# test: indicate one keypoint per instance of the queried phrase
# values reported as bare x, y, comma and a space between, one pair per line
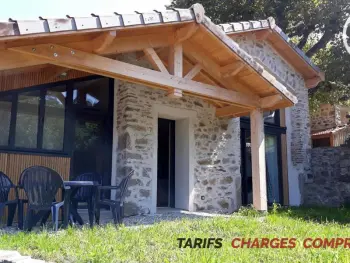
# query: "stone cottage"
330, 125
210, 117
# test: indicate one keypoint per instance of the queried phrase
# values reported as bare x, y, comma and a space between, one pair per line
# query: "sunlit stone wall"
217, 178
298, 120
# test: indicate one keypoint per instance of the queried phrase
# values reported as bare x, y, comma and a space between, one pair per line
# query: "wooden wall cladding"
13, 165
21, 78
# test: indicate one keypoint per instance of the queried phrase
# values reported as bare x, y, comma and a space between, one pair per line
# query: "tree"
316, 21
314, 25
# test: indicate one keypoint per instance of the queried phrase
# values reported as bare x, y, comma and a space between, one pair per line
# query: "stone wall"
217, 178
330, 185
328, 116
298, 126
217, 175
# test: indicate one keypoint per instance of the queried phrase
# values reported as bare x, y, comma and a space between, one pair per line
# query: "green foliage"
158, 243
314, 25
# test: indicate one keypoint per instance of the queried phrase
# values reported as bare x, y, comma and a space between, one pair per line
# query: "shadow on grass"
339, 215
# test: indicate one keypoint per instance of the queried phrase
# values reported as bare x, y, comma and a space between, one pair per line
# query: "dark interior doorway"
166, 163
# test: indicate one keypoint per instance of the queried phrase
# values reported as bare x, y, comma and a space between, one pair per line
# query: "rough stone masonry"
217, 158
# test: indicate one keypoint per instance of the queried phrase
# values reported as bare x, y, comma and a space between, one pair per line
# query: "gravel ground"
132, 221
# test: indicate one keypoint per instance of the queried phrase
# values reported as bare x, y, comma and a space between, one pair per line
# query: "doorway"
166, 163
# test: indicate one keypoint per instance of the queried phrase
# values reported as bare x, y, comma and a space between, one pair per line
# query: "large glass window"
54, 117
92, 93
27, 119
38, 119
5, 118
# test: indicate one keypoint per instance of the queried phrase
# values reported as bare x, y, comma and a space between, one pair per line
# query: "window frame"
68, 121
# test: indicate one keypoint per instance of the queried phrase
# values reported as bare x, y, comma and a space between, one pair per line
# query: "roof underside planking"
189, 55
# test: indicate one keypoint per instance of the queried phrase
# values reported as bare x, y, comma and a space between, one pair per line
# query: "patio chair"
117, 205
5, 188
84, 195
41, 185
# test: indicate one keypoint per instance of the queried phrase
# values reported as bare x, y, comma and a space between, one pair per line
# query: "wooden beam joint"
175, 65
95, 64
103, 41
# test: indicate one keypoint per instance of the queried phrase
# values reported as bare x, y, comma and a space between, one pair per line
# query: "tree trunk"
320, 44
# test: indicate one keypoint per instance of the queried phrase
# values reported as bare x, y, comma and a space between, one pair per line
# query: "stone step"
10, 256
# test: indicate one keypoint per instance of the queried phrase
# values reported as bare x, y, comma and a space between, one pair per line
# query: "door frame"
171, 163
182, 115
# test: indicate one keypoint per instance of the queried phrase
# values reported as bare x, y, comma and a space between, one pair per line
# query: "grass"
158, 243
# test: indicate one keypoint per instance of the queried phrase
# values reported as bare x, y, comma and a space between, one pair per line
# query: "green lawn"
158, 243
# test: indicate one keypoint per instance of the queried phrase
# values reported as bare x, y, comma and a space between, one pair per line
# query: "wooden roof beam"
11, 60
194, 71
175, 64
231, 111
195, 53
262, 35
154, 59
95, 64
270, 101
232, 69
185, 32
125, 44
311, 83
103, 41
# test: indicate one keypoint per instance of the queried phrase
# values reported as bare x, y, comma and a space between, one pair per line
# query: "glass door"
273, 168
92, 112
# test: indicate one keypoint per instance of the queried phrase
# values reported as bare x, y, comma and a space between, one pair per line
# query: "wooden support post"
258, 160
175, 66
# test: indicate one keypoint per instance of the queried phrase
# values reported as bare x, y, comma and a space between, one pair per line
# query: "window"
5, 118
41, 119
33, 120
54, 117
91, 93
27, 119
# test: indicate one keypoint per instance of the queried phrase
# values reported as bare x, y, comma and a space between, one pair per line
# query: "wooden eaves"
190, 55
267, 30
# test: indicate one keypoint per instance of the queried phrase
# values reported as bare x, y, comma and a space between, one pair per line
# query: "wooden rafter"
232, 69
311, 83
127, 43
12, 60
154, 59
103, 41
185, 32
270, 101
231, 111
262, 34
194, 71
197, 54
56, 72
175, 65
95, 64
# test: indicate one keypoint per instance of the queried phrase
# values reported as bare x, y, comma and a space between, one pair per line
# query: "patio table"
68, 209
